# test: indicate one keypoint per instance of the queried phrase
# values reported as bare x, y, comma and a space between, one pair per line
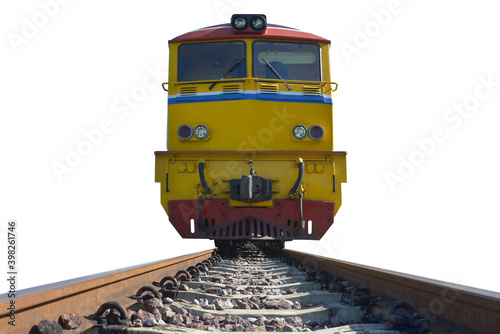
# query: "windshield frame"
254, 54
216, 72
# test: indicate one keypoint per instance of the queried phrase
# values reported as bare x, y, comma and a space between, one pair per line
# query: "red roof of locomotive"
224, 31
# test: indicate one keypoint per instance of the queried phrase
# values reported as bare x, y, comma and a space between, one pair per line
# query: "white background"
77, 66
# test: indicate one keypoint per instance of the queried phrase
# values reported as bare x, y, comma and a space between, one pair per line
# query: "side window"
210, 61
292, 61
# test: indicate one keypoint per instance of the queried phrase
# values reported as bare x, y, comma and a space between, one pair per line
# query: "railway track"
255, 289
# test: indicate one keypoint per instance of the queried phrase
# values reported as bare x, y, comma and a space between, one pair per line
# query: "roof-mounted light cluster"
249, 23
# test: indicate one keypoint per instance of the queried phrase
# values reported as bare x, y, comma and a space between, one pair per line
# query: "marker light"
258, 23
239, 22
316, 132
185, 132
201, 131
299, 132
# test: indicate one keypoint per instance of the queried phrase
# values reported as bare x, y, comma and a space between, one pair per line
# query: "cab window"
290, 61
211, 61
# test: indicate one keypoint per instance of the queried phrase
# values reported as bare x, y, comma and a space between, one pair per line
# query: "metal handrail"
322, 83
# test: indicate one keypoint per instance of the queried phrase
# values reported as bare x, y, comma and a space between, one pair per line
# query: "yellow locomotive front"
250, 134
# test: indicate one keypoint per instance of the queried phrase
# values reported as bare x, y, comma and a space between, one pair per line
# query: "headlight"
239, 22
201, 131
316, 132
258, 23
185, 132
299, 131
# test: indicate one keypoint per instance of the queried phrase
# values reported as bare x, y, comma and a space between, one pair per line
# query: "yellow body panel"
235, 123
250, 125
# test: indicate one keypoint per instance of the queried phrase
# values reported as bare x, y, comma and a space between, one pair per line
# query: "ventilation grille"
188, 91
311, 90
231, 89
268, 88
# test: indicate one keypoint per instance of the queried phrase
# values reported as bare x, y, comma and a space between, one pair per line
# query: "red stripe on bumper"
278, 223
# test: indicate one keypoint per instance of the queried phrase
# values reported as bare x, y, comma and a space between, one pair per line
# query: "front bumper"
238, 204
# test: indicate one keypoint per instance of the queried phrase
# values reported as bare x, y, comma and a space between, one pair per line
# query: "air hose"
293, 191
201, 171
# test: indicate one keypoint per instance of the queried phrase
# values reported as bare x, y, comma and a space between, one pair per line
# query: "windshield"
211, 61
286, 60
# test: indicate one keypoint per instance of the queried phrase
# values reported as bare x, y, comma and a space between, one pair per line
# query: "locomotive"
250, 134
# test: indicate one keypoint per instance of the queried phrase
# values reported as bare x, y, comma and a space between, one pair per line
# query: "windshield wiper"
227, 73
276, 73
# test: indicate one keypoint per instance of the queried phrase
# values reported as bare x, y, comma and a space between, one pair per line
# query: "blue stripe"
258, 96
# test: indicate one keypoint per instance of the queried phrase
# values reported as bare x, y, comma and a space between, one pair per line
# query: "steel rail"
84, 295
450, 308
